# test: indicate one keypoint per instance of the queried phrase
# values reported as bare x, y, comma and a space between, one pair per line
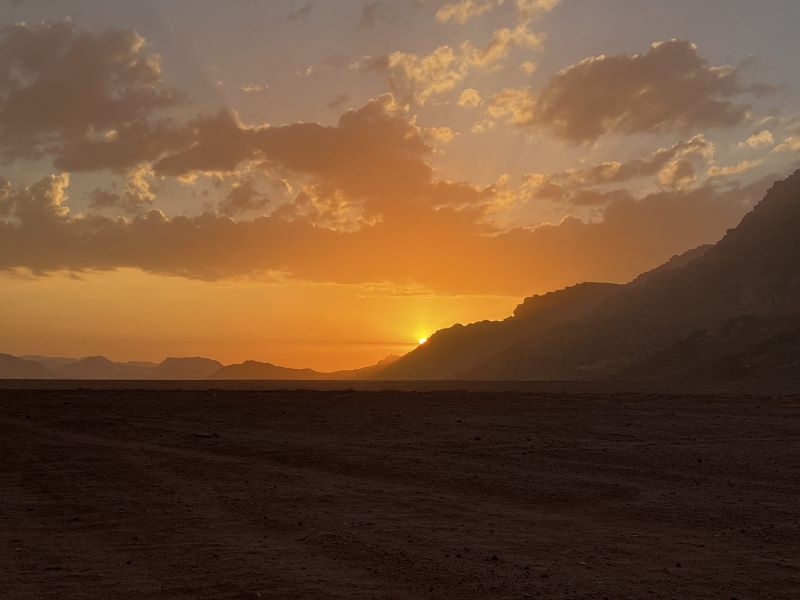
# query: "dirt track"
342, 494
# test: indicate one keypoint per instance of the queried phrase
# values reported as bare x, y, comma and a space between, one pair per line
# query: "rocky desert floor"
230, 493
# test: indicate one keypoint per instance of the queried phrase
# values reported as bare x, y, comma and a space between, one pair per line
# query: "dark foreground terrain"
346, 494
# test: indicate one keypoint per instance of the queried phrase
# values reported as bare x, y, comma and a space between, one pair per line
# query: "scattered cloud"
515, 106
790, 144
60, 85
464, 10
470, 98
670, 87
136, 196
760, 139
419, 77
740, 167
254, 88
483, 126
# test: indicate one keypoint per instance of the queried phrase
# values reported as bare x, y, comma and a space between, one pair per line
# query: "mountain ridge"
619, 331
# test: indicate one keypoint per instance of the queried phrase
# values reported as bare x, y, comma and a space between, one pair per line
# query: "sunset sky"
320, 183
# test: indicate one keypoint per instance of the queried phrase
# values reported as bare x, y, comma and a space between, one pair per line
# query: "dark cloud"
243, 197
672, 167
130, 145
443, 249
670, 87
374, 154
60, 85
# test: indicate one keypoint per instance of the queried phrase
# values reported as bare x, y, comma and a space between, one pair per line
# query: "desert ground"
493, 492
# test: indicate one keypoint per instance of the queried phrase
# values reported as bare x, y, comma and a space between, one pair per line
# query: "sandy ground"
344, 494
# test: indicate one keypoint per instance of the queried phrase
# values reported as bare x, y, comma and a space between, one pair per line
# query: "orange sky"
326, 327
321, 184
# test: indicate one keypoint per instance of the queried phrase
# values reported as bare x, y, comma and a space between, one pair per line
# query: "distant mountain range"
729, 311
99, 368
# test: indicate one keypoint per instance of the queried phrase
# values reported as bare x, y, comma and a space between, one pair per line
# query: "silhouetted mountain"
369, 372
253, 370
50, 362
185, 369
727, 311
99, 367
12, 367
171, 369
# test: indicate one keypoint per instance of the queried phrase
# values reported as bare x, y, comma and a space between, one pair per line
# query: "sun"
422, 340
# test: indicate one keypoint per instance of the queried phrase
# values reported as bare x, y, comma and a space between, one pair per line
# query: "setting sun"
422, 340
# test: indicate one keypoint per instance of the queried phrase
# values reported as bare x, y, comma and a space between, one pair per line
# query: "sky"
323, 183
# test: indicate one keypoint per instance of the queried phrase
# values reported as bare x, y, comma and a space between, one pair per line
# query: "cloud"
667, 163
375, 155
443, 249
470, 98
760, 139
364, 204
464, 10
254, 88
516, 106
789, 144
243, 197
43, 202
673, 167
420, 77
461, 11
482, 126
217, 143
500, 44
740, 167
123, 148
135, 197
417, 78
59, 86
530, 9
670, 87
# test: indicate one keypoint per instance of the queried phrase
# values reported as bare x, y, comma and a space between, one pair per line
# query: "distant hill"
101, 368
253, 370
12, 367
171, 369
194, 368
729, 311
370, 372
50, 362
